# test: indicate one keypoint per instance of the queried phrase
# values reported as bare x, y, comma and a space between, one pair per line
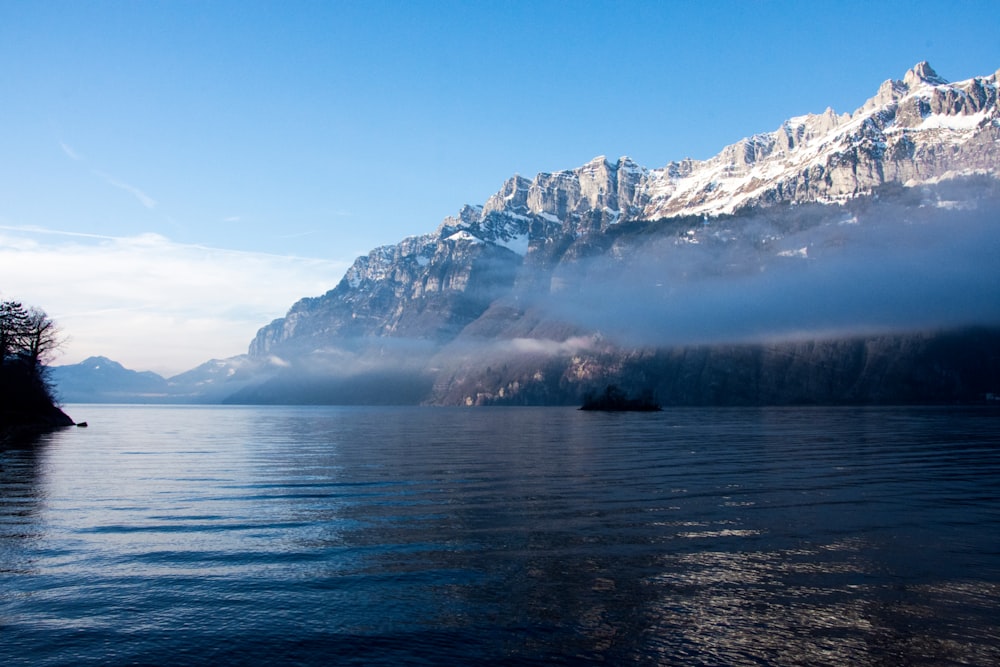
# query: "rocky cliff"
534, 262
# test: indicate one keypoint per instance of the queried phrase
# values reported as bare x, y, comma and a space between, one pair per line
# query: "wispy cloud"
232, 218
113, 181
68, 150
149, 302
143, 198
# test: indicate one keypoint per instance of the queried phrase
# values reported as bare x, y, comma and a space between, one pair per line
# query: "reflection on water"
514, 536
781, 608
19, 504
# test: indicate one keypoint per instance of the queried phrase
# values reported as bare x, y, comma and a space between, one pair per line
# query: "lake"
400, 536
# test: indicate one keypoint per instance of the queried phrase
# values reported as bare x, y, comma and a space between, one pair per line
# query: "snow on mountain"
912, 131
917, 130
898, 135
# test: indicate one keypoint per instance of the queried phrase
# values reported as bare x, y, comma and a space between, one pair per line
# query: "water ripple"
532, 536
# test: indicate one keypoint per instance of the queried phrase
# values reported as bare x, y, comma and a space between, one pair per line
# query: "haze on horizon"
176, 175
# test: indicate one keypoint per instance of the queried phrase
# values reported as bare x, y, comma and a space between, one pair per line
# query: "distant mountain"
574, 273
101, 380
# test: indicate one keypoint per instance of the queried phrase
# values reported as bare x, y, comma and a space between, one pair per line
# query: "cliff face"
534, 262
427, 287
912, 131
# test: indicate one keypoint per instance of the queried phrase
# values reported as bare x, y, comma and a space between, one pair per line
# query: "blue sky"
174, 175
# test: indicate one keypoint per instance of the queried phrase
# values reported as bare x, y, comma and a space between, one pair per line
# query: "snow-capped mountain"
915, 130
506, 269
912, 131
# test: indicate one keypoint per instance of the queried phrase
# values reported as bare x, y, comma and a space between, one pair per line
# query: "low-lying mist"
882, 270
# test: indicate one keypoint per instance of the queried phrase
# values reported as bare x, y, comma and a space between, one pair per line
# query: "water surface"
210, 535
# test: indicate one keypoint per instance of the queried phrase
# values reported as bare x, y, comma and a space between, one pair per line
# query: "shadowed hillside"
27, 338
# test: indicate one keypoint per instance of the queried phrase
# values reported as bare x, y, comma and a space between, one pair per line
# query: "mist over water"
388, 536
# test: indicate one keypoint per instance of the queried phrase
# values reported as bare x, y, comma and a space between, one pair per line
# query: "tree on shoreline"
41, 338
26, 333
28, 340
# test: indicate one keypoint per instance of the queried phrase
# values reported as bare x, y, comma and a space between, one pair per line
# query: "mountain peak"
98, 361
922, 72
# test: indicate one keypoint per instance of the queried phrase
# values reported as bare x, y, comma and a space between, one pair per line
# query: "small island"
613, 399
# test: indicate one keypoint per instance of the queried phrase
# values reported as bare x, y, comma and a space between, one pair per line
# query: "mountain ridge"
99, 379
897, 136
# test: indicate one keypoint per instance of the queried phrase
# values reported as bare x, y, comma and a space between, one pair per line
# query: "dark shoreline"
22, 428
